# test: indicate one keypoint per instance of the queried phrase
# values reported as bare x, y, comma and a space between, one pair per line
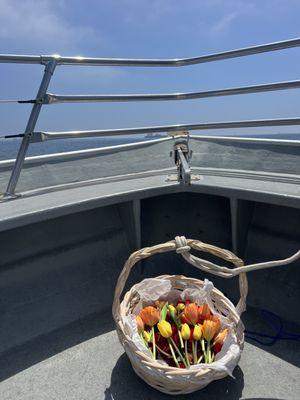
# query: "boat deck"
85, 361
61, 184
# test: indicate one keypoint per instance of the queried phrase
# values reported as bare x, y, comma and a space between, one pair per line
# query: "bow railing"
45, 98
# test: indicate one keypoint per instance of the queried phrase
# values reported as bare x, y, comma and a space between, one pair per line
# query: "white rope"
207, 266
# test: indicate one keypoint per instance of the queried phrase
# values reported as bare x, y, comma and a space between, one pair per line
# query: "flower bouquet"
182, 334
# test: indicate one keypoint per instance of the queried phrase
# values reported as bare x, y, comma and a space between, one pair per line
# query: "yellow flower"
172, 309
210, 329
139, 323
147, 336
150, 315
197, 334
165, 328
180, 307
185, 332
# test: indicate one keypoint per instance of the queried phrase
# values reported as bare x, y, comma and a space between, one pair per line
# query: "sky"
148, 29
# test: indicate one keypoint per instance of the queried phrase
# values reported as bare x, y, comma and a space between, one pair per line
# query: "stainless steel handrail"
177, 62
51, 98
33, 117
51, 61
41, 136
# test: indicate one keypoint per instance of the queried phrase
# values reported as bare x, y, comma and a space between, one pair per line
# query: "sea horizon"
9, 147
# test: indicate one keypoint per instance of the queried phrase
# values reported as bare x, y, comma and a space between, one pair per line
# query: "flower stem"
153, 342
195, 351
163, 352
179, 352
186, 353
180, 339
173, 354
203, 349
208, 353
143, 340
145, 343
199, 359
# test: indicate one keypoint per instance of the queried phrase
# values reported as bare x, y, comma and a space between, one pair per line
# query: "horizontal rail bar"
33, 59
242, 139
56, 98
40, 136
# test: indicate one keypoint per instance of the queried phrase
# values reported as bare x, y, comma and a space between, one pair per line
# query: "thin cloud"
232, 11
40, 25
224, 24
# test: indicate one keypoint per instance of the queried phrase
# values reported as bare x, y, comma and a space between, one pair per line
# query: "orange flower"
204, 311
149, 315
216, 320
191, 313
139, 323
210, 329
221, 336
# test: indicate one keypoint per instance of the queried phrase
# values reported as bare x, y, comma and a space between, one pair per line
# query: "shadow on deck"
115, 379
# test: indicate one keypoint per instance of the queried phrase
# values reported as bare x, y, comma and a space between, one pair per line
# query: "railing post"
13, 180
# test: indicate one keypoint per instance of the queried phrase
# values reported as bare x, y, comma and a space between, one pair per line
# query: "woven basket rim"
148, 358
178, 277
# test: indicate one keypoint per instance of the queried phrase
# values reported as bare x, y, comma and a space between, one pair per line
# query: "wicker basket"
165, 378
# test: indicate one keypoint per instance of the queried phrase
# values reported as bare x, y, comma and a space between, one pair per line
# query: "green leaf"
163, 313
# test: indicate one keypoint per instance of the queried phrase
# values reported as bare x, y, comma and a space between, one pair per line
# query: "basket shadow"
125, 384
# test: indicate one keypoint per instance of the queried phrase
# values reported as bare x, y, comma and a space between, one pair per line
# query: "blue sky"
148, 29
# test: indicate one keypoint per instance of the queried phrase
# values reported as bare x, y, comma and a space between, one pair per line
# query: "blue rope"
275, 322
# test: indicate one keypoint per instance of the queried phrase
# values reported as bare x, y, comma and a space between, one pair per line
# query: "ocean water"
9, 147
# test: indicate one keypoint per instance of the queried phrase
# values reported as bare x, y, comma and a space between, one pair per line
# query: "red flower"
217, 347
183, 319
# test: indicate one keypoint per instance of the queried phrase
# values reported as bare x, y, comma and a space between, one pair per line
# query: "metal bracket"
182, 156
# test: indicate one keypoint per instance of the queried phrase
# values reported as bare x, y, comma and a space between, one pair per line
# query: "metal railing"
52, 61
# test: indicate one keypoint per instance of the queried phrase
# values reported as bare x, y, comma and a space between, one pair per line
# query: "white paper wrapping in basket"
153, 289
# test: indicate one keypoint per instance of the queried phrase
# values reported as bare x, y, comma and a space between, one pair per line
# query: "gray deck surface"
85, 361
56, 203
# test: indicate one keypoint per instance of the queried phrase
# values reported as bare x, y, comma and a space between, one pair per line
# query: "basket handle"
183, 247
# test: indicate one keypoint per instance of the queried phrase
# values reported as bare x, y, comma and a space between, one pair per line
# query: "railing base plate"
174, 178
